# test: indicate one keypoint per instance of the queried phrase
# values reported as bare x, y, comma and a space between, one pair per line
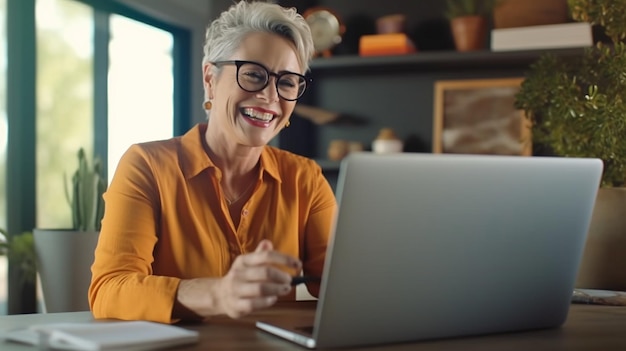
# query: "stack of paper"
550, 36
100, 336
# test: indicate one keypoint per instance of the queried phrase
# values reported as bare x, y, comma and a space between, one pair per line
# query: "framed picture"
478, 116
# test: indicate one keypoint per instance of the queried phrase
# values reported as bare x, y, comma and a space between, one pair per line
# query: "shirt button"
244, 212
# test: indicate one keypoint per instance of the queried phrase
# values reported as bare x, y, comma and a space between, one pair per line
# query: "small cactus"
87, 187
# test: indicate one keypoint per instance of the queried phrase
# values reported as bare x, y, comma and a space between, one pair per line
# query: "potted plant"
20, 249
468, 22
20, 252
577, 109
65, 255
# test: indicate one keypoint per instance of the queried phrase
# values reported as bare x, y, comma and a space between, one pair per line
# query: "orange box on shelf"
385, 44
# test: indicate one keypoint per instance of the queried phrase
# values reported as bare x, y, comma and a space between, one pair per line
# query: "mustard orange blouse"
166, 220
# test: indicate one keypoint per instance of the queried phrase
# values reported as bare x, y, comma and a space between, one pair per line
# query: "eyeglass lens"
253, 77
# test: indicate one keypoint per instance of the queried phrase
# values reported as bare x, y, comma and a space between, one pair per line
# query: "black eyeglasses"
253, 77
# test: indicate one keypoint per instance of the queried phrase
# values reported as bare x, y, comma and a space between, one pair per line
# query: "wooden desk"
588, 327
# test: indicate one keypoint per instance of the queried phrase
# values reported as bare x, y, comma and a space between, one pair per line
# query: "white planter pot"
604, 259
64, 259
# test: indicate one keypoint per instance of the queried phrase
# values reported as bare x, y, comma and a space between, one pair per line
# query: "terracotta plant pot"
604, 259
469, 33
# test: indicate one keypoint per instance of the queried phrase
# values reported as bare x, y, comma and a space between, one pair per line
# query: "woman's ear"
207, 77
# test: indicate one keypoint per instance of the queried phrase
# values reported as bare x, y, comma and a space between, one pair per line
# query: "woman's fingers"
263, 273
240, 296
264, 254
255, 280
264, 245
261, 289
260, 281
259, 258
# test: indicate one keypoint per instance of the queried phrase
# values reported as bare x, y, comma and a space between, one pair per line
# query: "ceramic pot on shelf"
387, 142
469, 33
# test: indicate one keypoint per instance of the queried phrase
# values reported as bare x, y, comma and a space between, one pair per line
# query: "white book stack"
551, 36
104, 336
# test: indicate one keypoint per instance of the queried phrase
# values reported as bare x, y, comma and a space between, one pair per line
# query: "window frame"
21, 111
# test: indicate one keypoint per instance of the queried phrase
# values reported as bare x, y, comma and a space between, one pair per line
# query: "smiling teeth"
264, 116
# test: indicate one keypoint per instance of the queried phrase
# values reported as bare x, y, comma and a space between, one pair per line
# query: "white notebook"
126, 335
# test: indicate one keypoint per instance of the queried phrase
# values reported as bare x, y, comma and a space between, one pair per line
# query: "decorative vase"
604, 259
64, 259
387, 142
469, 33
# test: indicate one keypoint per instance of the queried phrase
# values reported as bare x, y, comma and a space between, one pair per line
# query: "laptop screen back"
429, 246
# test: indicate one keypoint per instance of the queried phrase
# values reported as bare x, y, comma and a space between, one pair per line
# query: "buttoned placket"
235, 234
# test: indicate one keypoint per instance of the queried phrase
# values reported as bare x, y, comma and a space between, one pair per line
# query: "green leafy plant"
87, 187
20, 249
460, 8
576, 104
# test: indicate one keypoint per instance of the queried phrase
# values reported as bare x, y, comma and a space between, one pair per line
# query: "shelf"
434, 60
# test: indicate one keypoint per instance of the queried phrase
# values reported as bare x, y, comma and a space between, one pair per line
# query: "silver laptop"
429, 246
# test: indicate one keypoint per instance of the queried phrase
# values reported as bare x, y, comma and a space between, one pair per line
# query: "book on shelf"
385, 44
101, 336
550, 36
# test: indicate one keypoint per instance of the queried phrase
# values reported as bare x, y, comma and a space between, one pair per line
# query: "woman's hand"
254, 281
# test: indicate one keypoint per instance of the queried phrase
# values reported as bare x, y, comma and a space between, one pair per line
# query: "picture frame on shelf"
478, 116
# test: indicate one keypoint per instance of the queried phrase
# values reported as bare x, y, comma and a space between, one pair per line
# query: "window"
140, 95
107, 76
141, 86
64, 118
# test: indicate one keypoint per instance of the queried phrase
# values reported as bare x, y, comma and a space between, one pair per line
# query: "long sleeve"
123, 285
165, 220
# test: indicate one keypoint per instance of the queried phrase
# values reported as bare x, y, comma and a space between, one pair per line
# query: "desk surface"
588, 327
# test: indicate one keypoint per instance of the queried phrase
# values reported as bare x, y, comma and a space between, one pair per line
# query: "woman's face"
252, 118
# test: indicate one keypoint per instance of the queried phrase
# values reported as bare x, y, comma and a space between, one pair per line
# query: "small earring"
287, 124
207, 105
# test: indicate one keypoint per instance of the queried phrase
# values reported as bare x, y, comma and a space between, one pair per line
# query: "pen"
303, 279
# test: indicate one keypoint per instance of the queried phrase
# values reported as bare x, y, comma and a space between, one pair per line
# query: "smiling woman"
216, 221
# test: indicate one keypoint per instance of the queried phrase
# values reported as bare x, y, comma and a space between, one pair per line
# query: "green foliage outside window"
21, 250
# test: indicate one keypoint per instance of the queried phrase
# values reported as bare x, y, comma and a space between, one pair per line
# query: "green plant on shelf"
461, 8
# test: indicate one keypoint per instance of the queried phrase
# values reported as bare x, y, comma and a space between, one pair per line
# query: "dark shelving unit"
392, 91
397, 91
434, 60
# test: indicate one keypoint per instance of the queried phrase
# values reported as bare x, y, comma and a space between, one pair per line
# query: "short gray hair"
224, 34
